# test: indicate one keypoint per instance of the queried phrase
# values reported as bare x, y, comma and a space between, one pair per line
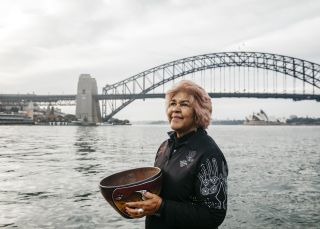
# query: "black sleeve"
209, 205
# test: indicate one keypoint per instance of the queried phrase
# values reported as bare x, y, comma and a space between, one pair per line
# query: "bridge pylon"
87, 105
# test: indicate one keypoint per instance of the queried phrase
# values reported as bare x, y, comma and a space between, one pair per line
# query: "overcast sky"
46, 44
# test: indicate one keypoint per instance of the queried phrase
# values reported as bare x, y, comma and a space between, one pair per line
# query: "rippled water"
49, 175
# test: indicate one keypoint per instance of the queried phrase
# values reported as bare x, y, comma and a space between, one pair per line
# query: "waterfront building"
261, 118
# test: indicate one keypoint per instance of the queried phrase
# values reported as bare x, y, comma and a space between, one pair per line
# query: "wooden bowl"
129, 185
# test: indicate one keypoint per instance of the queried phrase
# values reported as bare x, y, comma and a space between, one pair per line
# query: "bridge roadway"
16, 98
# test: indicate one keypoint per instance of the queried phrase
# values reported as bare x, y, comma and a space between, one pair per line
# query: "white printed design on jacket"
189, 159
213, 183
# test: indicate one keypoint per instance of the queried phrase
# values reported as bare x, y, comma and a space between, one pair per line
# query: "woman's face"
181, 114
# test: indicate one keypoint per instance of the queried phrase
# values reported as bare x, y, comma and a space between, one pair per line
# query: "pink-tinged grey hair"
200, 101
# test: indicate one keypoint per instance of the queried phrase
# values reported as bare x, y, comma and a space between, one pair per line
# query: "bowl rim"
133, 183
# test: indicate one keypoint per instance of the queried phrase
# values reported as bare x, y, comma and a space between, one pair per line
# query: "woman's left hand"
146, 207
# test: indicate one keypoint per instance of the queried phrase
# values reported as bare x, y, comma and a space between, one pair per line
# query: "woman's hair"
200, 101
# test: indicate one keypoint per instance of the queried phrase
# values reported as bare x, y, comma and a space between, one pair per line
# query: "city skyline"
46, 45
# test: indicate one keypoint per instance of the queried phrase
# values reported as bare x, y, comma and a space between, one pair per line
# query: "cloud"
298, 40
48, 35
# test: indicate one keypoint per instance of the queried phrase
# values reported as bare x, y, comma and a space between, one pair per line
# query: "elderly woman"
194, 191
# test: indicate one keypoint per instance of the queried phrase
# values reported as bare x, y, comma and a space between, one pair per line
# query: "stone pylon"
87, 106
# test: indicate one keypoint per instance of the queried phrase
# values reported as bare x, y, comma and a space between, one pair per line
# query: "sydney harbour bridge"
223, 75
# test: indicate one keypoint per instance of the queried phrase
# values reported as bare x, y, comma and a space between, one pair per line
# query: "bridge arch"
146, 81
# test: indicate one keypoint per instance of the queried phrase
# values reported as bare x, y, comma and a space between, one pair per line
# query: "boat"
82, 123
106, 124
15, 119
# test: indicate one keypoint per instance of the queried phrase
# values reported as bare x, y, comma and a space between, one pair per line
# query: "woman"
194, 191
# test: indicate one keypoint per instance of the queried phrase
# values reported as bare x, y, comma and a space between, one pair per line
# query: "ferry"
15, 119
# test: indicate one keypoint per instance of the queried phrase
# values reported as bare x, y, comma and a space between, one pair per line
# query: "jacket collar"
184, 139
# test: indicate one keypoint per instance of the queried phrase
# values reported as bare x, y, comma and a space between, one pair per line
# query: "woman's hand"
142, 208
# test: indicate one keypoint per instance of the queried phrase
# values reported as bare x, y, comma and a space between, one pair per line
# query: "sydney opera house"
261, 118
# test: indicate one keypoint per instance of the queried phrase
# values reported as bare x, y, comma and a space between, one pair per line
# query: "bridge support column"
87, 106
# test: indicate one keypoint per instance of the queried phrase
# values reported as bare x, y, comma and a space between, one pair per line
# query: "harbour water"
49, 175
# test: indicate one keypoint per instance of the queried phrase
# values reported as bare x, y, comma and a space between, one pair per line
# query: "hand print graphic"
209, 177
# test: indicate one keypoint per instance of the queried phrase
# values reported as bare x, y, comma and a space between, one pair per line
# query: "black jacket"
194, 187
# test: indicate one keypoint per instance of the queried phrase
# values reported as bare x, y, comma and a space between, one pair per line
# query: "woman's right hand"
149, 206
